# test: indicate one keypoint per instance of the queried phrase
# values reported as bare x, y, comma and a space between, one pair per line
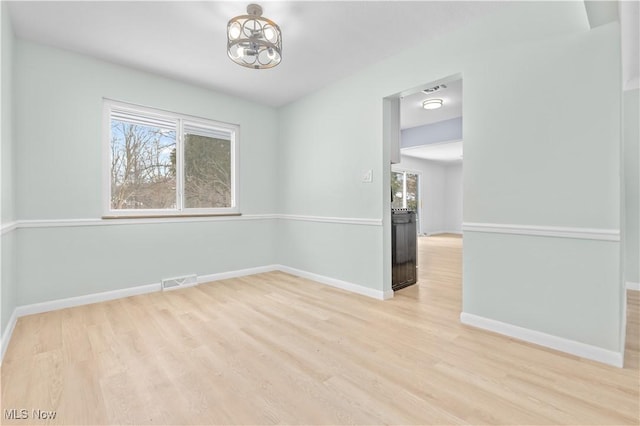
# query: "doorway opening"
426, 173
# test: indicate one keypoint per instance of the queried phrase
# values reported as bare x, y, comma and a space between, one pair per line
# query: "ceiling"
323, 41
412, 114
445, 151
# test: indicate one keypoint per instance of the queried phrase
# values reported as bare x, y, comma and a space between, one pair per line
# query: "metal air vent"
434, 89
179, 282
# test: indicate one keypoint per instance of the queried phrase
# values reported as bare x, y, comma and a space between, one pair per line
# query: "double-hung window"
168, 164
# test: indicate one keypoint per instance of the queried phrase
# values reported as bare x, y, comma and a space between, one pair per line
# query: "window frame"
396, 168
110, 105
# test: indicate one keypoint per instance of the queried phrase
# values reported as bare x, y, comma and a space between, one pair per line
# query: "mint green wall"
74, 261
560, 286
537, 152
346, 249
554, 164
632, 183
59, 173
554, 153
326, 144
7, 213
62, 92
330, 137
7, 244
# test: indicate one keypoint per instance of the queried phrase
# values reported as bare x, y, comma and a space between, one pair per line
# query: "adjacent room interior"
431, 149
198, 198
426, 181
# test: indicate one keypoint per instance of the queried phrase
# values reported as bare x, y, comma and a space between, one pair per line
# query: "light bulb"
269, 34
271, 54
240, 51
234, 31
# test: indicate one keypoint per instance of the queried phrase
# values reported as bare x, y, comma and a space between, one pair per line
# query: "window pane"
412, 191
143, 166
207, 172
397, 181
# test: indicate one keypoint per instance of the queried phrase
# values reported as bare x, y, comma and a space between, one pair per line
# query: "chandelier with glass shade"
254, 41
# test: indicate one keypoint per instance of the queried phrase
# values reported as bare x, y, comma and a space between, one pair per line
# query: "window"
405, 192
161, 163
404, 188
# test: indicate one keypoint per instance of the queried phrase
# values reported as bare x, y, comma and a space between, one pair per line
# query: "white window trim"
108, 212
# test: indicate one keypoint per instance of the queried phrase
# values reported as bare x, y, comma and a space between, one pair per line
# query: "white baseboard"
633, 286
53, 305
344, 285
6, 336
37, 308
443, 232
322, 279
236, 274
572, 347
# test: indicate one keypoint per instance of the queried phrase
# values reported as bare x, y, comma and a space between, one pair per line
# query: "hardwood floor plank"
277, 349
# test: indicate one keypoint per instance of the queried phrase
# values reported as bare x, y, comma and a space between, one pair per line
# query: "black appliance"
403, 248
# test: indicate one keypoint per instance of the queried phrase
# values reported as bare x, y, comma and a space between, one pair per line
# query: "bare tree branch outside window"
144, 169
143, 175
207, 172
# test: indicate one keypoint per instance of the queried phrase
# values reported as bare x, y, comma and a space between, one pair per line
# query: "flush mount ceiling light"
254, 41
432, 104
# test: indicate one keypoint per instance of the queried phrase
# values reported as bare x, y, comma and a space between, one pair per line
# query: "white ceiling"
412, 113
446, 151
323, 41
186, 40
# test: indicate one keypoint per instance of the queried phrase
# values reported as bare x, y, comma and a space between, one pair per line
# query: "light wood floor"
273, 348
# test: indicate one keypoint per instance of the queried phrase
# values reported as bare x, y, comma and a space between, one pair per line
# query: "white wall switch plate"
367, 177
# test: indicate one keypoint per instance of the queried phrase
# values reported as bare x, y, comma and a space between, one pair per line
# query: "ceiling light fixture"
432, 103
254, 41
